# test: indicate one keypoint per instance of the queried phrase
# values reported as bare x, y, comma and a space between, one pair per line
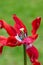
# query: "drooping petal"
19, 24
35, 25
2, 43
33, 54
10, 30
1, 49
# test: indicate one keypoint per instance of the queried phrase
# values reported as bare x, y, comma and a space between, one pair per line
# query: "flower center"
22, 35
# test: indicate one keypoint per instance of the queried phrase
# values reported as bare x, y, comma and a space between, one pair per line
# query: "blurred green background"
27, 10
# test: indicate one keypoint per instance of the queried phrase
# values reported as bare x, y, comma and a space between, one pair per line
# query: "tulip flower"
18, 36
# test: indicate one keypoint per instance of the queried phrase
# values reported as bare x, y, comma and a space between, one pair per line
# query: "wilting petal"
35, 25
2, 43
1, 49
19, 23
10, 30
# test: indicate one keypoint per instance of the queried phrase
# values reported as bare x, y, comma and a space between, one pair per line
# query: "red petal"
28, 40
12, 42
19, 23
34, 37
7, 41
36, 63
10, 30
17, 27
35, 25
32, 53
3, 41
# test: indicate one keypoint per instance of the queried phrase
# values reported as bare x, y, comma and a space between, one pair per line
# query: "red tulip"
18, 35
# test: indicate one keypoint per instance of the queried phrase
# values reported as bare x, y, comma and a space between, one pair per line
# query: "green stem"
25, 58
